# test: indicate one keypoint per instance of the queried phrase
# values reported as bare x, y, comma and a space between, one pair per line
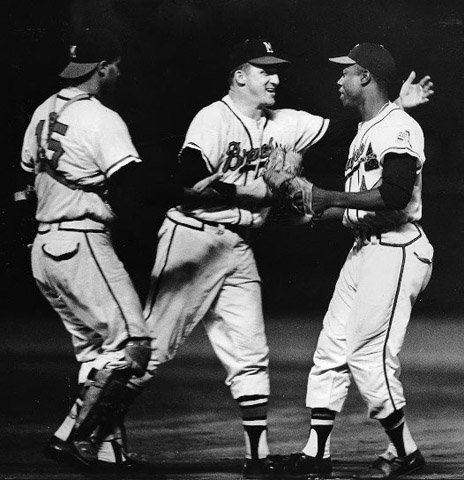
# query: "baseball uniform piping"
118, 165
240, 120
106, 282
320, 132
395, 302
380, 120
153, 297
246, 130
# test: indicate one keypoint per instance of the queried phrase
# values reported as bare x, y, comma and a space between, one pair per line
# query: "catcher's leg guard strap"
101, 392
138, 353
113, 431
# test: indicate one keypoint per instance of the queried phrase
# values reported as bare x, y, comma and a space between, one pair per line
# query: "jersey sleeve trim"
197, 147
401, 151
321, 132
121, 163
27, 168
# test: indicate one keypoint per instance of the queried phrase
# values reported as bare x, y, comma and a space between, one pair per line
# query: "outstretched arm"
399, 175
415, 94
202, 189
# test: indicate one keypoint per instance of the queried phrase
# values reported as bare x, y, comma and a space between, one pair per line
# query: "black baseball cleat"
384, 468
258, 468
299, 465
77, 453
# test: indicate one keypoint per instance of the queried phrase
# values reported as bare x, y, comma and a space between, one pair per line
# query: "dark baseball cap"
90, 48
259, 52
373, 57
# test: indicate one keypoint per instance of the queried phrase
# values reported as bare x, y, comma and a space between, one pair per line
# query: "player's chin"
344, 100
270, 100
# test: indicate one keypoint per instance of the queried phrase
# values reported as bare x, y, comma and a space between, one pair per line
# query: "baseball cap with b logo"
90, 48
373, 57
258, 52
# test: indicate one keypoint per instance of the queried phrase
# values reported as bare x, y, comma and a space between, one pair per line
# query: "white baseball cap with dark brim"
256, 52
373, 57
90, 48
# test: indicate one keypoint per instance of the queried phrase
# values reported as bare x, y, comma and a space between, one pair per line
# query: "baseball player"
389, 265
205, 269
83, 161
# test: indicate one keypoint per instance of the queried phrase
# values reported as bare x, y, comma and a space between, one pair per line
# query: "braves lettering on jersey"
205, 269
387, 268
239, 146
391, 131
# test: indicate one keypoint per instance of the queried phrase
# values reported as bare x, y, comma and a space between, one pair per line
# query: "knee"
354, 360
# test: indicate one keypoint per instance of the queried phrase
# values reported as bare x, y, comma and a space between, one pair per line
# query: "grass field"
187, 426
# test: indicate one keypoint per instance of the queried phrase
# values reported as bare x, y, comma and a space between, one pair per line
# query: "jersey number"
52, 144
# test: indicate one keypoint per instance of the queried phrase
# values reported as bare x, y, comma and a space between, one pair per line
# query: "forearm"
255, 192
370, 200
399, 175
332, 213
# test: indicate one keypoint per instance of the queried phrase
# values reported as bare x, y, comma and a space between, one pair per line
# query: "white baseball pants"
366, 322
208, 273
78, 272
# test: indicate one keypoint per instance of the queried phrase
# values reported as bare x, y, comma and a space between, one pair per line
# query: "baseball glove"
284, 159
296, 191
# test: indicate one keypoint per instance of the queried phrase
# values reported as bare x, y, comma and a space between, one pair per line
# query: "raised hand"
415, 94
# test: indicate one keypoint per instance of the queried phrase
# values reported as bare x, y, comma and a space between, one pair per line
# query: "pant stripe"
126, 323
156, 286
395, 302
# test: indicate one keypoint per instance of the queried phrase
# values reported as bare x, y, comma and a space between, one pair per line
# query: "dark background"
175, 64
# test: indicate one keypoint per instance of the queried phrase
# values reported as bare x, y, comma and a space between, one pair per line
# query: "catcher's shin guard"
102, 391
114, 428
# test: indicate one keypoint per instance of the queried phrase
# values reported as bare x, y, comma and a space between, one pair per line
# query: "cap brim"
343, 60
268, 60
76, 70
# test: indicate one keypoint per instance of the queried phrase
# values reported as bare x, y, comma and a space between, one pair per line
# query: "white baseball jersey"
88, 143
391, 131
73, 259
385, 271
208, 273
239, 147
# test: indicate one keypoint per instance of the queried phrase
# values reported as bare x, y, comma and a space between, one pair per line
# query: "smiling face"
260, 84
350, 85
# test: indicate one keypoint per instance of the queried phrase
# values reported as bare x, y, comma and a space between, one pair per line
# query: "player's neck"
371, 107
253, 111
91, 86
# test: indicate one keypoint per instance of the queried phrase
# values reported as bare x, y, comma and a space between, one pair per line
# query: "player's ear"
366, 77
102, 67
239, 77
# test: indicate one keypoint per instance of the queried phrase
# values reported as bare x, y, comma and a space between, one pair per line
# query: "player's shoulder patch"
404, 137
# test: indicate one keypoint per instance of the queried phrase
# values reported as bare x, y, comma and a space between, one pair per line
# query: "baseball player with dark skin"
86, 171
205, 269
389, 265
